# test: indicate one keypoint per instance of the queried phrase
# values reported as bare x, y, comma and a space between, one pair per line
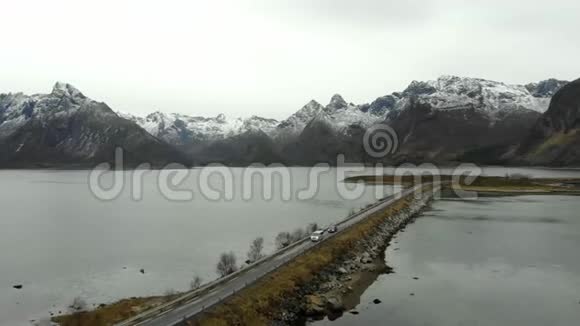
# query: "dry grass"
111, 314
258, 304
556, 140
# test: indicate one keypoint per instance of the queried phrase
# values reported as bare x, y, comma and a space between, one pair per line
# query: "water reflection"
513, 261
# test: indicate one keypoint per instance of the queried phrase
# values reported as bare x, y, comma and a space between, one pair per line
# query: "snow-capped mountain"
17, 109
66, 127
436, 120
555, 138
338, 113
440, 120
297, 121
444, 119
183, 130
546, 88
489, 97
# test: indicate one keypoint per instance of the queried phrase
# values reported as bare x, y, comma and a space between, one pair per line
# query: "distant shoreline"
84, 167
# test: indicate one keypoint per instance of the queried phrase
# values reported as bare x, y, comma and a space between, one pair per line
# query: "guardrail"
189, 296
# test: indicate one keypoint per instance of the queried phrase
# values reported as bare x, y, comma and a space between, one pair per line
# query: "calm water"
495, 261
60, 242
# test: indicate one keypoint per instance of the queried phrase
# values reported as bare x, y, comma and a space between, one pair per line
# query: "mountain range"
555, 137
448, 120
67, 129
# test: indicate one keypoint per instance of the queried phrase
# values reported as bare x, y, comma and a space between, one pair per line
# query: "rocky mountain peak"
563, 114
545, 88
381, 105
221, 118
67, 90
312, 105
300, 118
308, 111
555, 138
417, 88
157, 116
336, 103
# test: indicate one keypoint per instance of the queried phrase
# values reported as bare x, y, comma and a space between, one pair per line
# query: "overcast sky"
270, 57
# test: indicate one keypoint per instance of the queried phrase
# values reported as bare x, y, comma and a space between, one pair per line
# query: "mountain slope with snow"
65, 127
338, 113
555, 138
440, 121
489, 97
437, 120
445, 119
184, 130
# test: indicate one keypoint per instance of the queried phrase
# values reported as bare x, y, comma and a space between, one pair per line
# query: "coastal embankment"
321, 281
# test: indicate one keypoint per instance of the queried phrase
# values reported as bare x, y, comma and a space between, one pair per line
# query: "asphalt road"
177, 315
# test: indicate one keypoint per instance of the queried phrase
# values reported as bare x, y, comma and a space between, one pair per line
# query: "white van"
316, 236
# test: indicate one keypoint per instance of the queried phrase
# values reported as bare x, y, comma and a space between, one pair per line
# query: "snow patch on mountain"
495, 99
297, 121
181, 129
338, 114
64, 89
490, 97
336, 103
344, 116
17, 108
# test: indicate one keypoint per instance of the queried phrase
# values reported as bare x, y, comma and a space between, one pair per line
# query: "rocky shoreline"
338, 288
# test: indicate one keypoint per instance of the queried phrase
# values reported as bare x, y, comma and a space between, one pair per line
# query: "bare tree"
227, 264
311, 228
196, 282
297, 235
282, 240
255, 252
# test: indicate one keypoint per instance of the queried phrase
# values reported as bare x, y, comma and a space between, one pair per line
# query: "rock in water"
335, 304
315, 305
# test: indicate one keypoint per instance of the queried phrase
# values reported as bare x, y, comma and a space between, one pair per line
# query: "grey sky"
270, 57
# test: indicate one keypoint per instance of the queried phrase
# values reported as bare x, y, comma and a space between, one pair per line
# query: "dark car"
332, 229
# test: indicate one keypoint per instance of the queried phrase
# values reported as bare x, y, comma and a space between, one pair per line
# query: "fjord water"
60, 242
493, 261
